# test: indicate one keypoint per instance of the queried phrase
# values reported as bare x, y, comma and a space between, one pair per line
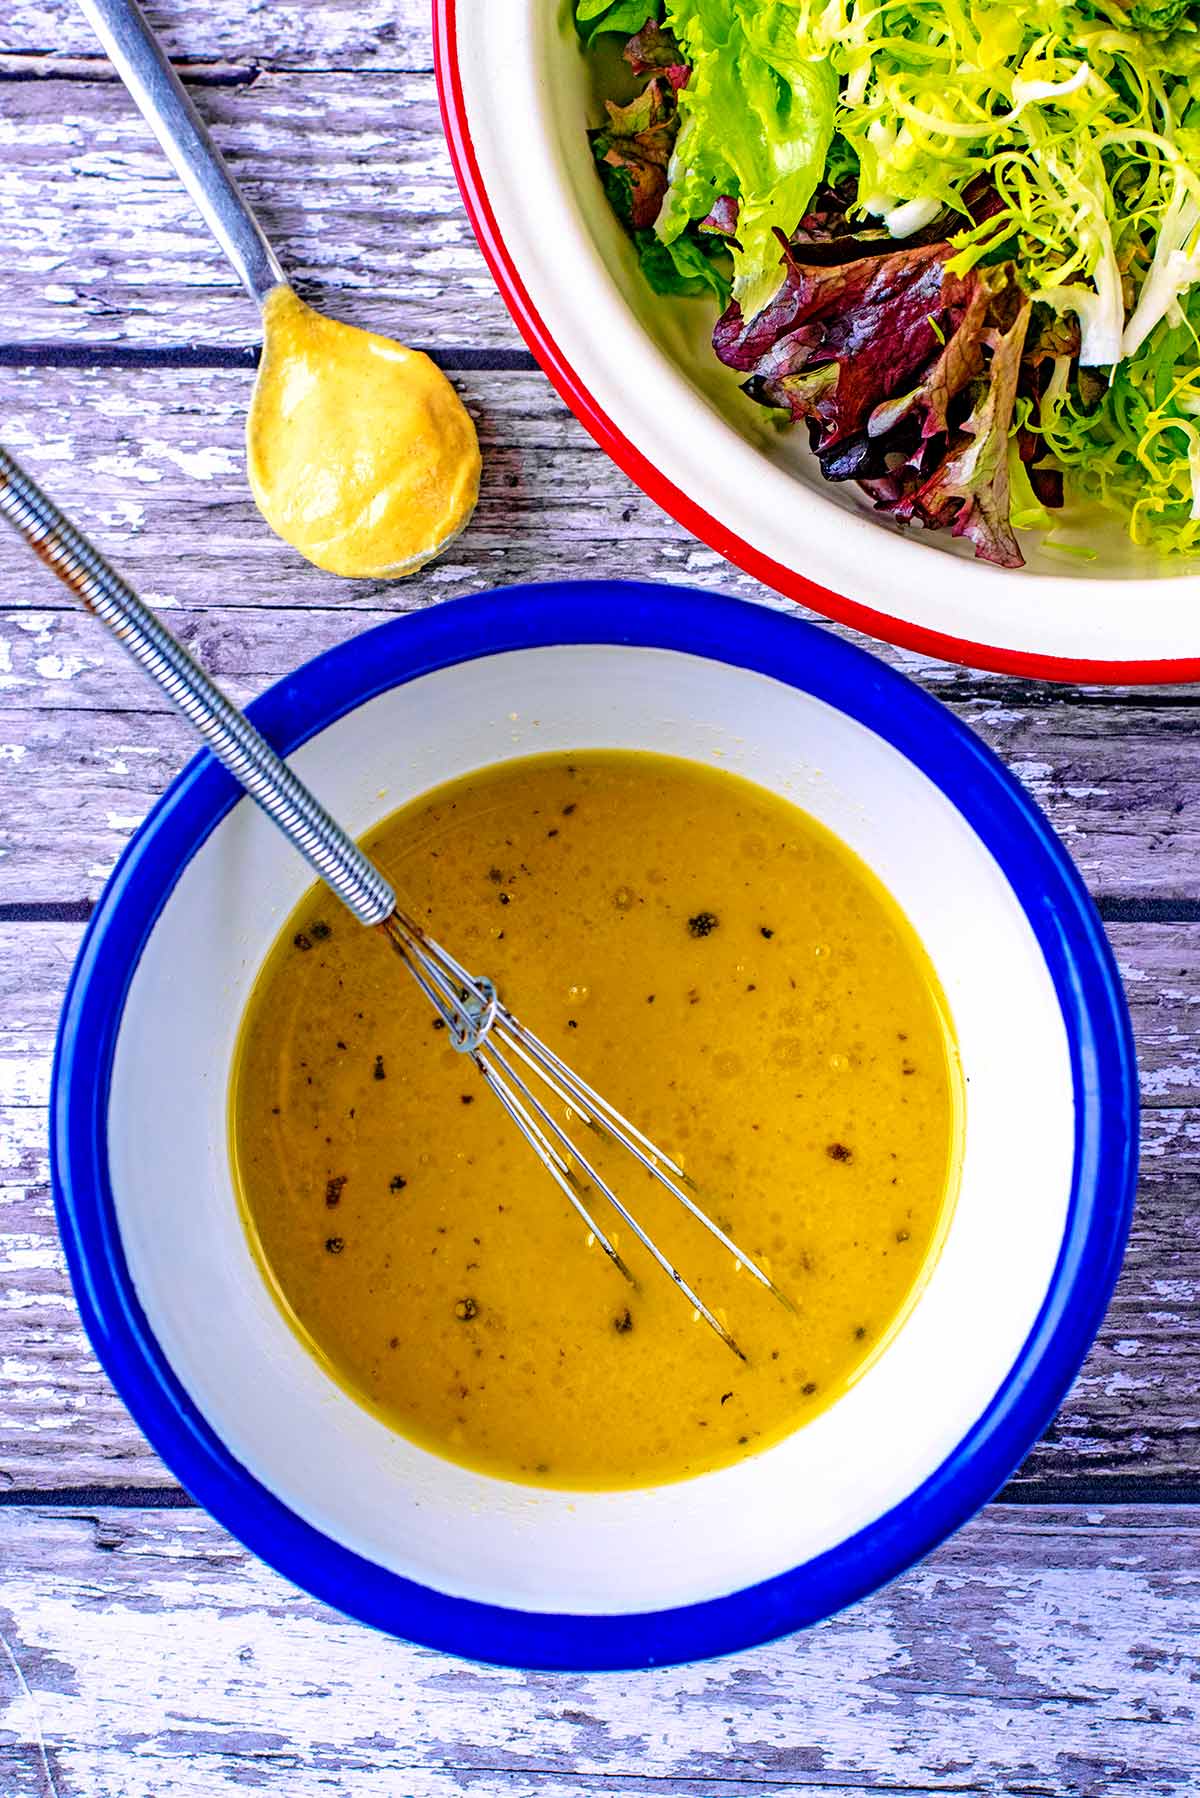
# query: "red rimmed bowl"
638, 370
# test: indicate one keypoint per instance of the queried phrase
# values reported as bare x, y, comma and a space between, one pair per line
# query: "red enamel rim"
672, 499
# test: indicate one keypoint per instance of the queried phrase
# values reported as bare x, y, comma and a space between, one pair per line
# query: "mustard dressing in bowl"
748, 993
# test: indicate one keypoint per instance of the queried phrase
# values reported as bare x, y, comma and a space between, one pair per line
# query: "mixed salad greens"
959, 239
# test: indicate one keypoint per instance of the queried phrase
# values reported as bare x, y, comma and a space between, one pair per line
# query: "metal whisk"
516, 1065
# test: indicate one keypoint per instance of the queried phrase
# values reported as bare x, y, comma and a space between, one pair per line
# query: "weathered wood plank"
1044, 1650
154, 467
1131, 1412
83, 780
349, 175
300, 34
82, 790
150, 460
152, 463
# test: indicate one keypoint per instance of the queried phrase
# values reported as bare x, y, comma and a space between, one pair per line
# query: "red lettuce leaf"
968, 491
653, 48
905, 374
876, 322
633, 151
722, 220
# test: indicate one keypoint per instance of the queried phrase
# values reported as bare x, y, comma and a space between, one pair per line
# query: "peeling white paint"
59, 668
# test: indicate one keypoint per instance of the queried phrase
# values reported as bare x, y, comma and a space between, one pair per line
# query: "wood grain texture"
1048, 1651
301, 34
350, 178
1130, 1413
154, 461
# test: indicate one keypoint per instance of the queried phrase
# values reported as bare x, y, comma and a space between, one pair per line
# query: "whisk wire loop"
486, 1030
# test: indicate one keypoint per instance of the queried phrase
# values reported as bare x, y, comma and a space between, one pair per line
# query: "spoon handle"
327, 848
140, 61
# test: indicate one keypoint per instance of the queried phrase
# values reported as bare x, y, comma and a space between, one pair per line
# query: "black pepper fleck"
334, 1245
837, 1151
397, 1183
333, 1190
763, 931
808, 1388
467, 1098
703, 924
623, 1322
466, 1309
320, 930
301, 941
380, 1072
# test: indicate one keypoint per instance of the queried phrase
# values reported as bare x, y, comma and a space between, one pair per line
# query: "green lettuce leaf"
626, 16
756, 121
684, 266
1161, 15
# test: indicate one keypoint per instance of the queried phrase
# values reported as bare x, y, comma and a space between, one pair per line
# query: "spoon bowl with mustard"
359, 452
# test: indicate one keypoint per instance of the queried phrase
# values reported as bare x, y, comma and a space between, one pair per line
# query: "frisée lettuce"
1032, 167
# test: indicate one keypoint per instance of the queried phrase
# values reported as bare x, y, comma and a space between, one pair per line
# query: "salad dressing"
359, 451
738, 984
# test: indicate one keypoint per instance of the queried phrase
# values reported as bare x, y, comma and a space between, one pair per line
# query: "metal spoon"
140, 61
419, 449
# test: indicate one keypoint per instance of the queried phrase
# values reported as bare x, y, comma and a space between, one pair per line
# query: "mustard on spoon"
360, 454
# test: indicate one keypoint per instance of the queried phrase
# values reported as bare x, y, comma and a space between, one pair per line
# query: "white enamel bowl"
639, 371
394, 1535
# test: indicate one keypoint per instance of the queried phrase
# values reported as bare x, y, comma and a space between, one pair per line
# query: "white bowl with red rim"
638, 370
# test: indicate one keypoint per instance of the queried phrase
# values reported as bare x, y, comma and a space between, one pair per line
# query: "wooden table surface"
1054, 1646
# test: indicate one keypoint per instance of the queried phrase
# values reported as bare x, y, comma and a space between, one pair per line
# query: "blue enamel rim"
1077, 957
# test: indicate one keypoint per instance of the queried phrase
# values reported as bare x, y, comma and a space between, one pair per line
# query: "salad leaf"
906, 374
1161, 15
633, 151
684, 266
653, 48
756, 121
1131, 445
988, 295
864, 329
594, 16
969, 490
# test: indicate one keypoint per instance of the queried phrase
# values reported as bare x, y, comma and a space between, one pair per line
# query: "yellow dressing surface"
359, 451
727, 973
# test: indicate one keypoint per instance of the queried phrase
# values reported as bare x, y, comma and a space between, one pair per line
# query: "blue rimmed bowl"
399, 1538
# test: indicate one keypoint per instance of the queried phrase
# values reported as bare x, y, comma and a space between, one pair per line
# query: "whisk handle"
232, 738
